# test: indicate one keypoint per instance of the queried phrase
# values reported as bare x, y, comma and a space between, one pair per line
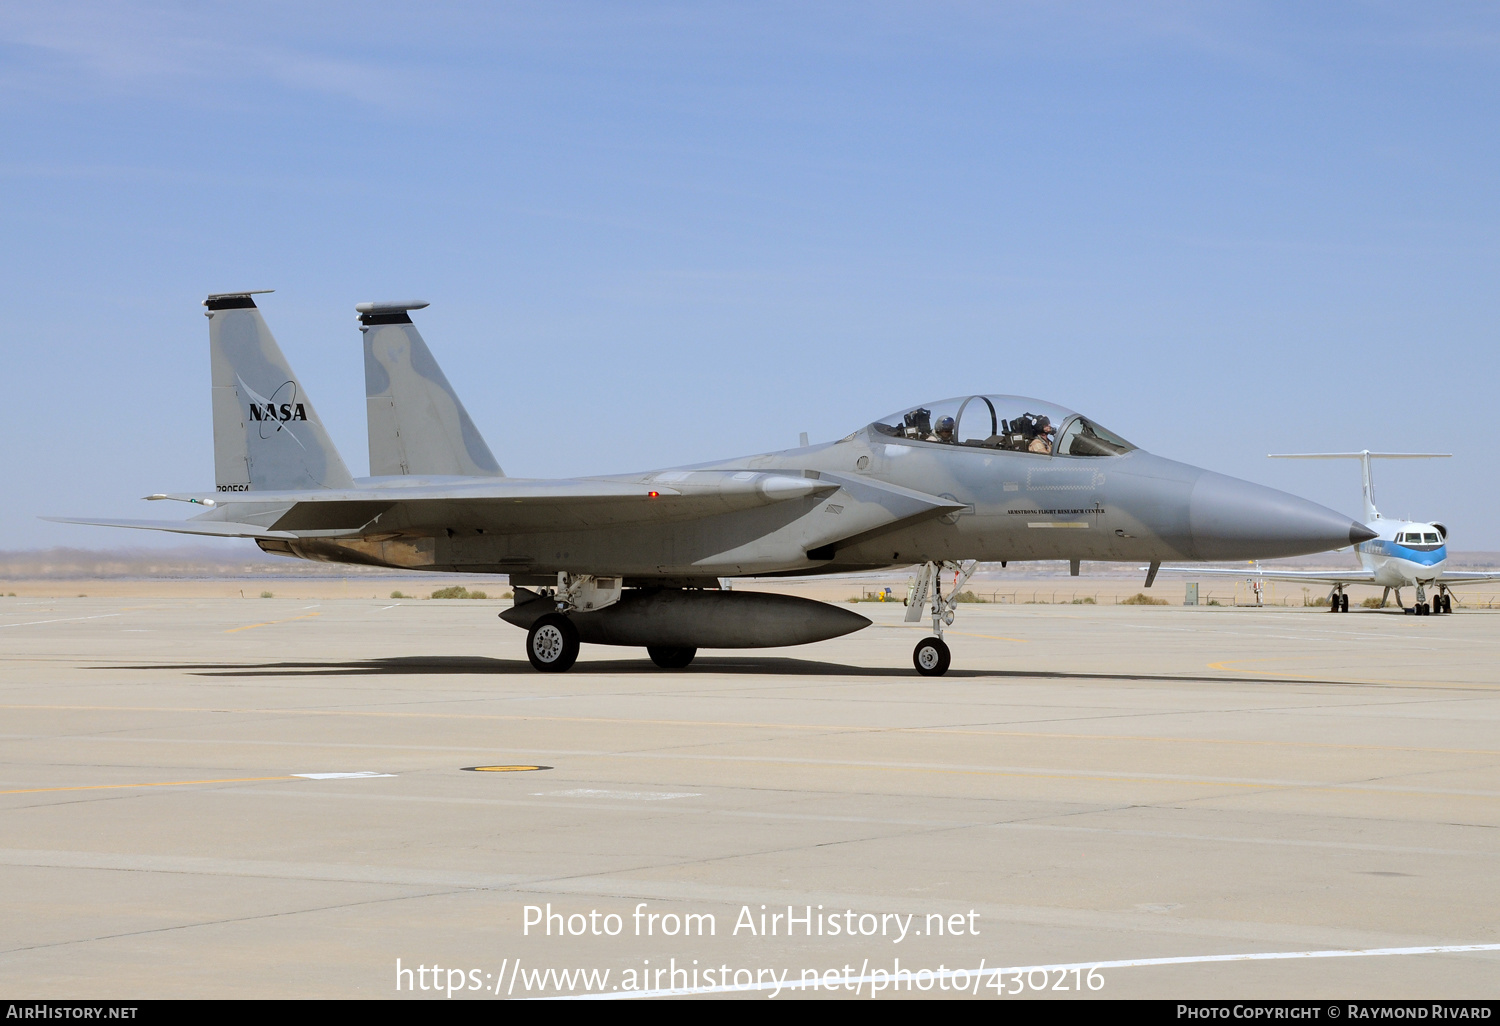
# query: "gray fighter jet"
636, 559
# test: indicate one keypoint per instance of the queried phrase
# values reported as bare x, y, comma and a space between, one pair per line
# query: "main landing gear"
931, 656
552, 643
1338, 602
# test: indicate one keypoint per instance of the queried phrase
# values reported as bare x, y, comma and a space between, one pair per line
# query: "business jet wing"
1452, 578
1304, 576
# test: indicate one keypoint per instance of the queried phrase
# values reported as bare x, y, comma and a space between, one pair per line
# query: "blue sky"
656, 234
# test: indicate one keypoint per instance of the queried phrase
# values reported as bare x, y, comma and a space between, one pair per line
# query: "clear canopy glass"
1007, 422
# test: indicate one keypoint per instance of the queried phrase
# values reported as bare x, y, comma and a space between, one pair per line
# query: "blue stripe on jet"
1389, 548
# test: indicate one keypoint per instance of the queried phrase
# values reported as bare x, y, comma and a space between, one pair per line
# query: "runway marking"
1014, 772
342, 776
268, 623
819, 727
978, 974
503, 769
164, 783
1224, 666
185, 783
64, 619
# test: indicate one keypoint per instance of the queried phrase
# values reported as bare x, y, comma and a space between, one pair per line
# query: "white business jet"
1404, 553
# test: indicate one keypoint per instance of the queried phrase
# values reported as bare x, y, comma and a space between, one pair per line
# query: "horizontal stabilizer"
1359, 455
1364, 456
214, 528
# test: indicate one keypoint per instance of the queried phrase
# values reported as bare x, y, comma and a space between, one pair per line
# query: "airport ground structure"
1090, 784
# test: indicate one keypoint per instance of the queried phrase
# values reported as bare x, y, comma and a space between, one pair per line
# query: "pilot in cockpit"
1042, 441
943, 431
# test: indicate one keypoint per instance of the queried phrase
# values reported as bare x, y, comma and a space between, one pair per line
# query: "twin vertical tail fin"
416, 422
267, 436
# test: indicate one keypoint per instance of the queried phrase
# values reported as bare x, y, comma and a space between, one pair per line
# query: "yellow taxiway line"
162, 783
268, 623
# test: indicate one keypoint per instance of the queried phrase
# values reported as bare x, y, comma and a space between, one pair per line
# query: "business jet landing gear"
1421, 608
931, 656
1338, 602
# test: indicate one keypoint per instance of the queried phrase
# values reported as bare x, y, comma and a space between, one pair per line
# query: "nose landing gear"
1442, 602
931, 656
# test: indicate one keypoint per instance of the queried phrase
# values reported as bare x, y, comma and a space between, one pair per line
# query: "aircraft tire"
1343, 603
1447, 603
931, 657
552, 644
670, 658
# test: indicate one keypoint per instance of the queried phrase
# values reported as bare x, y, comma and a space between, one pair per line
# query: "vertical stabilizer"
1364, 456
416, 422
1367, 483
266, 433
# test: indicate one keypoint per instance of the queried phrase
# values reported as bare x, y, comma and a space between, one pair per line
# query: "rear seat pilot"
1042, 442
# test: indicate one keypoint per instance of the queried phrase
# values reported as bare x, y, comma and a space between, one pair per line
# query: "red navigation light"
653, 495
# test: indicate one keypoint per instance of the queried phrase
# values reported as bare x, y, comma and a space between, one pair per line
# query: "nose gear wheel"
931, 657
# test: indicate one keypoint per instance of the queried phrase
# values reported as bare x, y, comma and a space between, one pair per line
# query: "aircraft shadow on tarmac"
431, 665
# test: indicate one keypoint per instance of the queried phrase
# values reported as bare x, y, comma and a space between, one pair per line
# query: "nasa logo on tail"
278, 413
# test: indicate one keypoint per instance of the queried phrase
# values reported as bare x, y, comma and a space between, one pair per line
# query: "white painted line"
628, 796
65, 619
976, 974
384, 608
342, 776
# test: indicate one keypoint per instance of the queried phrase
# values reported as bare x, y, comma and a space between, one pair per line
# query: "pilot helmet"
944, 428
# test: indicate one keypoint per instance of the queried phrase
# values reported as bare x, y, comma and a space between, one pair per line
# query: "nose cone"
1233, 519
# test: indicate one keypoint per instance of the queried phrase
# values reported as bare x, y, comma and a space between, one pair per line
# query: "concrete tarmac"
1089, 786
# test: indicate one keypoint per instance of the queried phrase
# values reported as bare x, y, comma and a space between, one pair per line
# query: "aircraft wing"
496, 504
1304, 576
1450, 578
217, 529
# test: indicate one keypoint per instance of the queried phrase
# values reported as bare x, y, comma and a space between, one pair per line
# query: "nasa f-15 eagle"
635, 559
1398, 554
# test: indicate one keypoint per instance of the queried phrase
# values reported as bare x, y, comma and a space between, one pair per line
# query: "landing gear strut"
1338, 602
1423, 609
931, 656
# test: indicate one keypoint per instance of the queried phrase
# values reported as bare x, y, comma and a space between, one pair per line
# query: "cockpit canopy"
1008, 422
